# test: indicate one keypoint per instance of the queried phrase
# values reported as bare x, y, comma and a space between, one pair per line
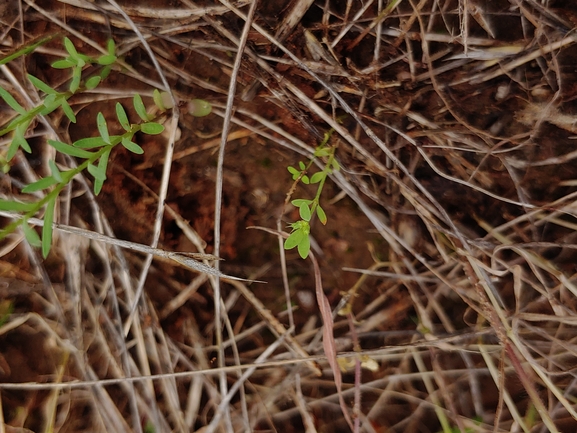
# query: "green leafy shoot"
92, 154
308, 208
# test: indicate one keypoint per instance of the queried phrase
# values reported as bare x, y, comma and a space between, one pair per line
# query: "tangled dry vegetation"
446, 271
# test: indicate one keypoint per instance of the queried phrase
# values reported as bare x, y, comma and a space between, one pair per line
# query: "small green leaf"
305, 212
140, 108
335, 165
317, 177
31, 235
96, 172
92, 82
47, 228
199, 107
103, 163
39, 185
51, 102
162, 100
12, 149
63, 64
99, 172
69, 150
151, 128
9, 99
298, 202
122, 117
293, 171
111, 47
105, 72
71, 49
89, 143
304, 247
16, 206
302, 165
98, 184
68, 110
55, 171
19, 137
76, 77
106, 60
294, 239
321, 214
305, 179
102, 127
322, 151
41, 85
132, 146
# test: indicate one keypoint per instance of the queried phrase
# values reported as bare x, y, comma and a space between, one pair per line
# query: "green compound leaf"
102, 127
122, 117
69, 150
305, 212
317, 177
41, 85
39, 185
16, 206
68, 110
47, 228
93, 82
31, 235
132, 146
140, 108
89, 143
321, 214
151, 128
9, 99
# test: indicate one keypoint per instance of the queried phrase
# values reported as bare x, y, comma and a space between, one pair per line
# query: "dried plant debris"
430, 286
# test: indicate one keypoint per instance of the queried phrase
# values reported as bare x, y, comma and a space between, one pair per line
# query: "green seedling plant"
92, 153
300, 230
